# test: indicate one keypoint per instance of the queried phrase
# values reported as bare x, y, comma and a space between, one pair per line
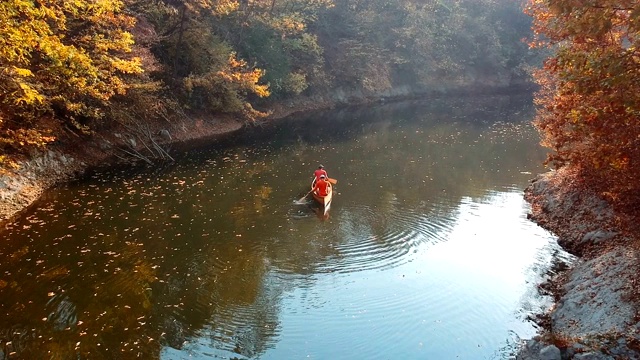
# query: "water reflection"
426, 249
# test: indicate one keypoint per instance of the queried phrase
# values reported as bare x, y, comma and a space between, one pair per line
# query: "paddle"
305, 195
330, 180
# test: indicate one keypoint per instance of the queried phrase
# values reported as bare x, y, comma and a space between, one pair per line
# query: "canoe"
325, 201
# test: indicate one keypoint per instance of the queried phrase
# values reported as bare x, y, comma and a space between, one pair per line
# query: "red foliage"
589, 102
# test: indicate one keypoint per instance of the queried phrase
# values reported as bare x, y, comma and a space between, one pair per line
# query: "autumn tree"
360, 38
204, 68
95, 65
376, 44
278, 36
589, 104
60, 58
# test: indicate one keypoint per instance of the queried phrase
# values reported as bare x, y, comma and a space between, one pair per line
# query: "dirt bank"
22, 185
595, 315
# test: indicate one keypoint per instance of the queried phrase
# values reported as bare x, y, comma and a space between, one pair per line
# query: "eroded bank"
595, 315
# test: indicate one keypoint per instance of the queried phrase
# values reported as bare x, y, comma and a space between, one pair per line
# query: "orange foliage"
589, 102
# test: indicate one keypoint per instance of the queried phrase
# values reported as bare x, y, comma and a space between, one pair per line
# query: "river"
426, 252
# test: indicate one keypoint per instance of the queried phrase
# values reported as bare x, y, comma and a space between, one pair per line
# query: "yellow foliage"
225, 7
73, 53
247, 78
26, 137
132, 66
217, 7
28, 95
21, 72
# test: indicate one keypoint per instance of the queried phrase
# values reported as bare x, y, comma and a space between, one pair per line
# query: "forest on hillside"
84, 66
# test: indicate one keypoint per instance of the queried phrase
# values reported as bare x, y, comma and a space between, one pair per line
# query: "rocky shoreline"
595, 315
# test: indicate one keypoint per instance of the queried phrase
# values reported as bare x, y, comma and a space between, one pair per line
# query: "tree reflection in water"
196, 257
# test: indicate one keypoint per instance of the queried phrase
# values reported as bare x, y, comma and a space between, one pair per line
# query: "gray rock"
539, 185
579, 348
550, 352
593, 302
598, 236
105, 145
592, 356
165, 134
529, 350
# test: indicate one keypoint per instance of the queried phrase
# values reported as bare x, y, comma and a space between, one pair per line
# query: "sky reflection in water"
426, 254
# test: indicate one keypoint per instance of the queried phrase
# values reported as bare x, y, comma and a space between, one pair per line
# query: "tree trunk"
183, 15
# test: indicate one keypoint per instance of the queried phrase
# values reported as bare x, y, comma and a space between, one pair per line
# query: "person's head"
322, 177
320, 167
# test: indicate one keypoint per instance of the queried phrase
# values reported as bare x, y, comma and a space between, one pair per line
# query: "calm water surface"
426, 252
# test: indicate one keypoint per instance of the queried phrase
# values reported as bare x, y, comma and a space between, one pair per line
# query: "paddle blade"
304, 197
332, 181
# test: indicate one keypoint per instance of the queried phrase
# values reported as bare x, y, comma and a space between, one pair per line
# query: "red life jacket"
322, 187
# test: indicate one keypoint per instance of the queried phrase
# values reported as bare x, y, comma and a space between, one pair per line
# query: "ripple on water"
219, 265
369, 239
454, 297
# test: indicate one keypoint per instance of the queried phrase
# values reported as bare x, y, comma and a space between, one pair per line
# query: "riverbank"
595, 315
22, 185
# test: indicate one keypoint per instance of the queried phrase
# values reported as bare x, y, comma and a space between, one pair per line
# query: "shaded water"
426, 252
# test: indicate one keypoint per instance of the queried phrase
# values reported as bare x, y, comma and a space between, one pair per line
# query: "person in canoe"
320, 171
321, 187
